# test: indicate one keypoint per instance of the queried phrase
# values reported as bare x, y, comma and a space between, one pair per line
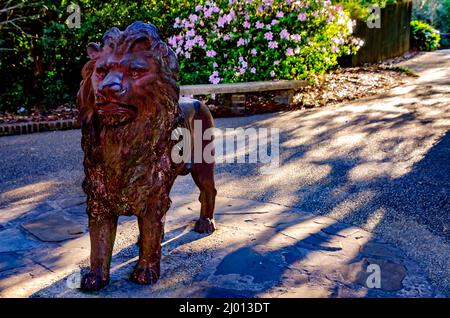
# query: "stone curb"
34, 127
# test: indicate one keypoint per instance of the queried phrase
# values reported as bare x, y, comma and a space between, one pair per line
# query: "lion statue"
129, 107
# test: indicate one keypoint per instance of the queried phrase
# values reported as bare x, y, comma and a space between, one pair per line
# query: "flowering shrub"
423, 36
251, 40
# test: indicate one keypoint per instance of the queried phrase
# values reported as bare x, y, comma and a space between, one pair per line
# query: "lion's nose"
111, 86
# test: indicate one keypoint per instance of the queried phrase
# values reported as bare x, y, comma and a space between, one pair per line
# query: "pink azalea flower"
289, 52
284, 34
334, 48
247, 25
189, 44
259, 25
208, 12
280, 14
187, 24
254, 52
172, 41
190, 33
330, 17
193, 17
273, 44
177, 23
241, 42
211, 53
221, 21
188, 55
268, 36
302, 16
253, 70
274, 21
198, 38
214, 78
296, 37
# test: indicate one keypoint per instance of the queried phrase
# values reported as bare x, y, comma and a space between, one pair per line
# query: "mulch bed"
337, 86
64, 112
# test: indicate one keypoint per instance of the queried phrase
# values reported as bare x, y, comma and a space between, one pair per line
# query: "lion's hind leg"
203, 175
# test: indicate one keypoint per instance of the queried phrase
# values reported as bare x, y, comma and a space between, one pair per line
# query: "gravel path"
380, 163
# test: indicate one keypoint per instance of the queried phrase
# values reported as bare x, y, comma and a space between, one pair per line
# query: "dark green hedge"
41, 58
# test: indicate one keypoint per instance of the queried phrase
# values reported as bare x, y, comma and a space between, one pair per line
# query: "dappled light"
359, 184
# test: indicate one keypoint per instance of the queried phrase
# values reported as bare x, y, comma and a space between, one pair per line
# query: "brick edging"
33, 127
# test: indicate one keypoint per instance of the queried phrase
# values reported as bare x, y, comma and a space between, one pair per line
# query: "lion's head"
128, 78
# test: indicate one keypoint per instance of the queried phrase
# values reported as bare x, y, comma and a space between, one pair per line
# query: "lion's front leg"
102, 234
147, 269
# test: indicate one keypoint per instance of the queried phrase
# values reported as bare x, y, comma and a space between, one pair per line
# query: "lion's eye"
135, 72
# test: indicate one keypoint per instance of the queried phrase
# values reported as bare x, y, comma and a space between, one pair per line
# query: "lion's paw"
204, 225
145, 274
93, 282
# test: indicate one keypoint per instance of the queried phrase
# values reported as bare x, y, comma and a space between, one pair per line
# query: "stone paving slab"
11, 260
13, 214
12, 239
259, 250
54, 227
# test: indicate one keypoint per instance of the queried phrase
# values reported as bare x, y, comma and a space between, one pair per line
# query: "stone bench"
235, 92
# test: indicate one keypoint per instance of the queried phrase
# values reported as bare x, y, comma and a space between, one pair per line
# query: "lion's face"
127, 74
120, 83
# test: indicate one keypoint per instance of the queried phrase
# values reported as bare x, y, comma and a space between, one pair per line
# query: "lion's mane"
127, 167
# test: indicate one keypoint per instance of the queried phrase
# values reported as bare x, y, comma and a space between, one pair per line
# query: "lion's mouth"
108, 108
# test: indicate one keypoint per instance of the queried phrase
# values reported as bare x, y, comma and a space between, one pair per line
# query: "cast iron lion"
129, 106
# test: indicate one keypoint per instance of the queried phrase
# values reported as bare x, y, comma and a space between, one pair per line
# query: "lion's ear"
162, 48
172, 61
93, 50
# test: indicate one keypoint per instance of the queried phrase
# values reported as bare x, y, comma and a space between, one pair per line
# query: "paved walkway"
260, 250
361, 183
